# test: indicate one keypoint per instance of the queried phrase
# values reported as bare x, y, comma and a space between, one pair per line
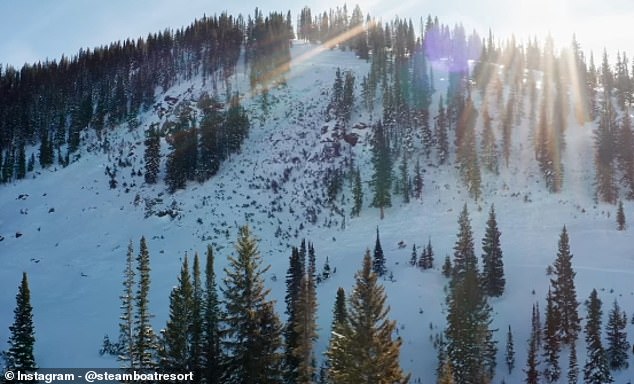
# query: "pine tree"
126, 323
382, 178
552, 370
196, 355
442, 138
294, 275
20, 356
152, 155
536, 325
426, 260
414, 259
145, 346
336, 357
212, 355
370, 353
447, 268
620, 217
175, 347
596, 369
20, 172
464, 254
532, 369
564, 292
488, 146
306, 330
378, 262
471, 348
405, 188
625, 154
357, 194
418, 180
605, 150
251, 332
492, 264
618, 346
510, 351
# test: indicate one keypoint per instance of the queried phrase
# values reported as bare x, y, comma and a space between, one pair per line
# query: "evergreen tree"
152, 155
405, 181
471, 348
536, 325
306, 330
552, 370
175, 352
20, 356
447, 268
347, 100
357, 194
418, 180
251, 334
126, 323
382, 178
625, 153
196, 356
210, 153
442, 138
336, 357
414, 259
212, 355
510, 351
20, 172
426, 260
605, 150
371, 355
596, 369
294, 276
620, 217
618, 346
564, 292
145, 346
488, 146
46, 151
492, 264
464, 254
378, 261
532, 369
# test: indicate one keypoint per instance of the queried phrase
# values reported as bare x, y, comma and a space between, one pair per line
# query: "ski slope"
75, 229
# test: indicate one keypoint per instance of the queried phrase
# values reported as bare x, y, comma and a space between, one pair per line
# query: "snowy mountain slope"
75, 229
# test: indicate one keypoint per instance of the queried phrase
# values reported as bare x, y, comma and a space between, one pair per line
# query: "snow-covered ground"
75, 229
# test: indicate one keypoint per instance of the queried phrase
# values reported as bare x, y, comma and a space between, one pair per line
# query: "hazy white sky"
33, 30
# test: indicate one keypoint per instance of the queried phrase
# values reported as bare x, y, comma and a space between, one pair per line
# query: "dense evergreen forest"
230, 332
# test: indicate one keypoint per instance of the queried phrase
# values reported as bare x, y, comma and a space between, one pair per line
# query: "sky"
34, 30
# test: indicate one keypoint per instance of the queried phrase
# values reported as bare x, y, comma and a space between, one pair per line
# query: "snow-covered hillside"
69, 230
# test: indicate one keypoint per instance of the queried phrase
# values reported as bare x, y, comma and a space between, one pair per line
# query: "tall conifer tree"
175, 351
251, 334
145, 345
378, 262
126, 323
596, 369
20, 355
564, 292
618, 346
212, 354
371, 355
492, 264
